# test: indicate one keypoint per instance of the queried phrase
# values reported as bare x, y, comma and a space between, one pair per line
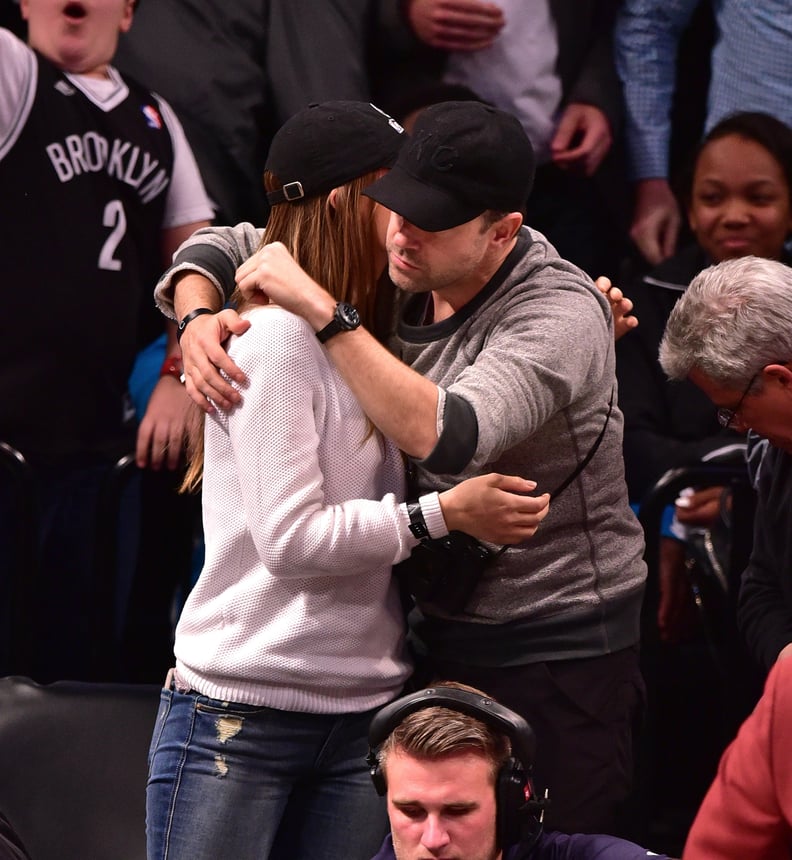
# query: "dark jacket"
560, 846
585, 55
208, 59
11, 847
764, 612
235, 72
666, 424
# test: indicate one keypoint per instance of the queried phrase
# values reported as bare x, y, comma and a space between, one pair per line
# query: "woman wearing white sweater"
294, 631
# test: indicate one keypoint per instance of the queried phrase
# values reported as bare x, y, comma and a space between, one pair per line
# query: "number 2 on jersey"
114, 217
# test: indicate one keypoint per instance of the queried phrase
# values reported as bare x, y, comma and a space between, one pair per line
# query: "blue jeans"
245, 782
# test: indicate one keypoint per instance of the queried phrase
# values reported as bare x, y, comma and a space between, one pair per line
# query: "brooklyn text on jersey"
92, 153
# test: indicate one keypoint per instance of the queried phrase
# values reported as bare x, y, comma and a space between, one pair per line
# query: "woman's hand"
495, 508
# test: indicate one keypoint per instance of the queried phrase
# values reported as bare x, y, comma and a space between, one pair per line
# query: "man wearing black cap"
507, 364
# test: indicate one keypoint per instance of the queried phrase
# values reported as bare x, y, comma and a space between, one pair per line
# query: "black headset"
518, 810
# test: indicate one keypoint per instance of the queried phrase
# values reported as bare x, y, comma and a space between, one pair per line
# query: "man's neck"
446, 302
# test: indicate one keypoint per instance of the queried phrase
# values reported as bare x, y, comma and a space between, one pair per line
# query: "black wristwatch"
345, 318
417, 522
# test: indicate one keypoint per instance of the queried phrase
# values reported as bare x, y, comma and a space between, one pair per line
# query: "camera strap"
587, 459
580, 467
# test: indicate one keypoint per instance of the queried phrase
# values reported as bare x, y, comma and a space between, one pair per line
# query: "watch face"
347, 315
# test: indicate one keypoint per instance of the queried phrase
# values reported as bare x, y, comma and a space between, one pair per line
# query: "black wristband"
418, 525
188, 319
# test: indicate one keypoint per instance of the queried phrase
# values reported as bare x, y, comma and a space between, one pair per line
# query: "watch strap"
418, 525
188, 318
345, 318
333, 327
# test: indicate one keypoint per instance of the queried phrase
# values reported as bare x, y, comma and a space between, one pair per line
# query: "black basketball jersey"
82, 198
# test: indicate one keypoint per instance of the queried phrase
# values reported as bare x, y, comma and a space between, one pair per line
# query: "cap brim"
429, 208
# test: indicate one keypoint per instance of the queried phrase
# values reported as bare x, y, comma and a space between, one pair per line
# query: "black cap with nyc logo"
463, 158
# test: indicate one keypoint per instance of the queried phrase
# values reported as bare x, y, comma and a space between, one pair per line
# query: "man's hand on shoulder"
272, 274
620, 306
204, 356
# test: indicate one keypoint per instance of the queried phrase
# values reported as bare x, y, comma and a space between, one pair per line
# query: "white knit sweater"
295, 607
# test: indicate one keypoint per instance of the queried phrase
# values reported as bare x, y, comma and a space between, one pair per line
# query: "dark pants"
94, 551
585, 714
49, 589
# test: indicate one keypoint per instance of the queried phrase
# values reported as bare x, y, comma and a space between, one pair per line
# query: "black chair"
717, 614
73, 765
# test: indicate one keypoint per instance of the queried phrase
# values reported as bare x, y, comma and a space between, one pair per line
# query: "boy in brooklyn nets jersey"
98, 188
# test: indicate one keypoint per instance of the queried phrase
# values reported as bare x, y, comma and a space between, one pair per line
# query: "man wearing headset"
455, 767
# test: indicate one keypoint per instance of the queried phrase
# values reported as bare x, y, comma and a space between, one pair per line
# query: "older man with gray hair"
731, 334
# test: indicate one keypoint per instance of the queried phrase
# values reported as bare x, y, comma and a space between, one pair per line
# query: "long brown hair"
333, 238
334, 242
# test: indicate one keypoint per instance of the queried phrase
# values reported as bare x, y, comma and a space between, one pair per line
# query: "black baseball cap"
463, 158
326, 145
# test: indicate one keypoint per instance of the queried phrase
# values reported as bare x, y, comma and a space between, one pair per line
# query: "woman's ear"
332, 198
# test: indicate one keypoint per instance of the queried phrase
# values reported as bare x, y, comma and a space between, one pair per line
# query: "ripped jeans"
246, 782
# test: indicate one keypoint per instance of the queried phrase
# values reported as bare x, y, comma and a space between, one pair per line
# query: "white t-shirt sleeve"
17, 88
187, 200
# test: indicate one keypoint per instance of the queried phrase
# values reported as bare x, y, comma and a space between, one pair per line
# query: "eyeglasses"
726, 417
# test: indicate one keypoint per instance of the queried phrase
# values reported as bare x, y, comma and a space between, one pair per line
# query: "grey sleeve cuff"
209, 261
458, 440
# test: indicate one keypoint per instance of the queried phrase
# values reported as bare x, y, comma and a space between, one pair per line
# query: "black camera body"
442, 574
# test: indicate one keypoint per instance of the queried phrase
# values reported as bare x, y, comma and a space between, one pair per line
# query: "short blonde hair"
436, 732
